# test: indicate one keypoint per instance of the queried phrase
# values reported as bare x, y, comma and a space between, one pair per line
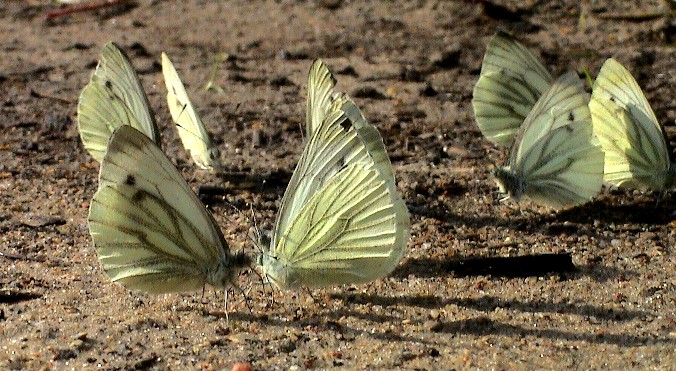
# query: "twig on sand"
84, 7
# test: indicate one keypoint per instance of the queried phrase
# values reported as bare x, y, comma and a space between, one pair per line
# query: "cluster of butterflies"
341, 218
564, 145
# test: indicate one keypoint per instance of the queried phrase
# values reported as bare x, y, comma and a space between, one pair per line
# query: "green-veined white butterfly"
191, 129
637, 151
149, 229
112, 98
341, 220
555, 160
511, 81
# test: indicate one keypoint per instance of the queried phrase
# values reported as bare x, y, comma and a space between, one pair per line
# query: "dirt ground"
411, 66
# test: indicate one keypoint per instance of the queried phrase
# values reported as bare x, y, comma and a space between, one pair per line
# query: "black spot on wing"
341, 163
138, 196
108, 84
612, 99
130, 180
571, 116
346, 125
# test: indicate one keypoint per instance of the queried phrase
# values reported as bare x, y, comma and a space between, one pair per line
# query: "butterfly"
510, 82
637, 151
341, 219
555, 160
149, 229
191, 129
112, 98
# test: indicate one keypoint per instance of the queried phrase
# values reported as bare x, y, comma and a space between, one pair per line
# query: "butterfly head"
223, 274
208, 160
508, 182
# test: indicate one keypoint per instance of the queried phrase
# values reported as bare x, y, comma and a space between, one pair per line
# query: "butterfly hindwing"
149, 229
191, 129
511, 81
637, 152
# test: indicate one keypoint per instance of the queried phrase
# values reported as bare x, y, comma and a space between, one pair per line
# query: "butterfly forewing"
191, 129
510, 82
100, 112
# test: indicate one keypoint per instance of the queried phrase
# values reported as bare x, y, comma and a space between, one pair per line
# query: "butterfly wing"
554, 152
319, 96
637, 152
149, 229
114, 97
345, 233
510, 82
191, 129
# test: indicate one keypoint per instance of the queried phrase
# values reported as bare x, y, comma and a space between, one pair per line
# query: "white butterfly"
149, 229
113, 97
637, 151
554, 160
511, 81
341, 220
191, 129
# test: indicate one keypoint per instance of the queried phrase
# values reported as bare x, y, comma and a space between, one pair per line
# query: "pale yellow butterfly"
510, 82
637, 151
112, 98
341, 220
149, 229
194, 135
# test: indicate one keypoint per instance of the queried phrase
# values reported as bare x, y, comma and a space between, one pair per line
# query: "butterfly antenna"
227, 316
588, 77
246, 297
212, 75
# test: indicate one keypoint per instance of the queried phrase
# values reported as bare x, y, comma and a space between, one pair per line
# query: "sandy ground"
411, 66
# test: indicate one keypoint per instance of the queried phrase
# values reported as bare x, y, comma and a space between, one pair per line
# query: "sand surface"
411, 66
